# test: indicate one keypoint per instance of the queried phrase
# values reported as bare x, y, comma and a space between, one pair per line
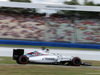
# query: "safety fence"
52, 44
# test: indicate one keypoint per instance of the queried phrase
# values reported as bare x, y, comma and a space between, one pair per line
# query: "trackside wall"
52, 44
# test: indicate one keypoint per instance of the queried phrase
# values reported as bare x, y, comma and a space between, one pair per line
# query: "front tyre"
22, 60
76, 61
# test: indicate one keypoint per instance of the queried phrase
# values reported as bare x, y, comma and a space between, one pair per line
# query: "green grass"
7, 60
29, 46
36, 69
44, 70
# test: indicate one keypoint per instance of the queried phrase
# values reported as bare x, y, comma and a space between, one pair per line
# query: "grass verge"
35, 69
45, 70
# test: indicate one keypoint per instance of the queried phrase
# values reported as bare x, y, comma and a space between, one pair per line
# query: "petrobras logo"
67, 7
48, 59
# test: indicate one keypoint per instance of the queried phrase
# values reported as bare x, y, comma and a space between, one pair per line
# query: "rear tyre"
76, 61
22, 60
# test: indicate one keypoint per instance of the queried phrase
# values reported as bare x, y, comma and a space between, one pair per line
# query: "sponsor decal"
49, 58
67, 7
31, 53
37, 54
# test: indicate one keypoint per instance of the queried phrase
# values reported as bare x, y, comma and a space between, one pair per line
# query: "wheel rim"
77, 62
23, 59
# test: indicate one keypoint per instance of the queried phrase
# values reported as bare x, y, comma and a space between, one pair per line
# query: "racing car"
46, 57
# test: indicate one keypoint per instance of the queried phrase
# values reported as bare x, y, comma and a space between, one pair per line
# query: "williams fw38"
45, 57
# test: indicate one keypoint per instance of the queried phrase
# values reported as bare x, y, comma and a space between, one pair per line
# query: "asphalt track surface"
83, 54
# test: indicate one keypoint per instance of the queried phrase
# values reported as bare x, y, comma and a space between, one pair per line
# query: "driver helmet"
47, 49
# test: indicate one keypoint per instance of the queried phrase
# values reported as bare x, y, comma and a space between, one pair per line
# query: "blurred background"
51, 25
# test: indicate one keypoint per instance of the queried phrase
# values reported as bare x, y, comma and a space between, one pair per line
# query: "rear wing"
17, 53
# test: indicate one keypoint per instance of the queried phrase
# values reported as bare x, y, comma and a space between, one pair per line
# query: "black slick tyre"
76, 61
22, 60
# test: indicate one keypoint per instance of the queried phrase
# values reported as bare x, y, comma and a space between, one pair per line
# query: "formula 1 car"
46, 58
